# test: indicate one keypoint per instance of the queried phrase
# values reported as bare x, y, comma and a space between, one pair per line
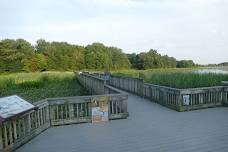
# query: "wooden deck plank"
150, 127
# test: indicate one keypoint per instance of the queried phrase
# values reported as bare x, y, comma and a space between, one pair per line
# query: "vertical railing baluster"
86, 107
47, 114
24, 126
116, 107
41, 117
81, 110
38, 117
57, 112
1, 136
5, 135
15, 129
10, 133
77, 111
71, 111
61, 111
113, 107
29, 123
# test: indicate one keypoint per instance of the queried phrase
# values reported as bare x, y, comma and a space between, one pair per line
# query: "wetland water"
218, 70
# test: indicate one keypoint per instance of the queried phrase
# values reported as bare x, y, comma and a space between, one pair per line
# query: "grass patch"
37, 86
176, 78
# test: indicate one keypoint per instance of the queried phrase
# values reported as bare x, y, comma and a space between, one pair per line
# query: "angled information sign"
12, 106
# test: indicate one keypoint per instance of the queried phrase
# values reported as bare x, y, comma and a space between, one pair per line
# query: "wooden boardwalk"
150, 127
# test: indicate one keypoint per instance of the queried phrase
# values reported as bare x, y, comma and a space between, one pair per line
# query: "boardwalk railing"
56, 111
70, 110
203, 97
166, 96
178, 99
134, 85
17, 131
95, 85
60, 111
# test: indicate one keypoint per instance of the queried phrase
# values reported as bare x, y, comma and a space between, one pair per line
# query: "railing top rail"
89, 75
204, 88
79, 99
115, 89
188, 89
40, 102
126, 77
164, 87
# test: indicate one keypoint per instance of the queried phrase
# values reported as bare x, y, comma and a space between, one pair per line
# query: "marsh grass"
37, 86
177, 78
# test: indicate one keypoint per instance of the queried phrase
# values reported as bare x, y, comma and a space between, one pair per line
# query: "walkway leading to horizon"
150, 127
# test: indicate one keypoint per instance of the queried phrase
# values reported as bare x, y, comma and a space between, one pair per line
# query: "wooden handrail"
60, 111
173, 98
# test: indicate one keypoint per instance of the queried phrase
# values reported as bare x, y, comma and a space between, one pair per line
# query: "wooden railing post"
15, 129
10, 133
47, 114
225, 96
124, 106
41, 117
1, 139
5, 135
29, 123
180, 103
140, 84
38, 117
71, 111
24, 126
51, 114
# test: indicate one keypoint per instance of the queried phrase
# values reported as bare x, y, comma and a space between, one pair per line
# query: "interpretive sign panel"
99, 109
12, 106
186, 100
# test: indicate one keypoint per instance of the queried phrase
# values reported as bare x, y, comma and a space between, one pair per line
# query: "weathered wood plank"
1, 136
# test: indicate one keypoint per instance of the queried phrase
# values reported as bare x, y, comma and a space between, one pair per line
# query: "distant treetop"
19, 55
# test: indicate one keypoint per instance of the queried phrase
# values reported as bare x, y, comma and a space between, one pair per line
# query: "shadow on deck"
150, 127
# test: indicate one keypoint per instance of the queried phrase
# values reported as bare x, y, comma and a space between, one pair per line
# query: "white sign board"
99, 115
99, 109
13, 105
186, 100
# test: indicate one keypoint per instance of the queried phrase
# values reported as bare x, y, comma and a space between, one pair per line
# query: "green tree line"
20, 55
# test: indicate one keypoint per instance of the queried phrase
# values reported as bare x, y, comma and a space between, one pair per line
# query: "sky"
184, 29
